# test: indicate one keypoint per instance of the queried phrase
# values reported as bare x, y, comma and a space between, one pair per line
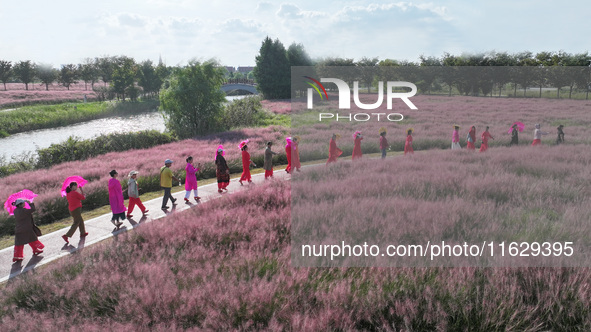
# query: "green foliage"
148, 78
89, 71
5, 71
272, 71
124, 77
25, 72
68, 75
76, 149
192, 101
47, 74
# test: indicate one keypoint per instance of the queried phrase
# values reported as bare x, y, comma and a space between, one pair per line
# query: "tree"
68, 75
5, 71
272, 71
367, 70
297, 56
25, 72
124, 74
47, 74
148, 78
89, 72
192, 101
105, 67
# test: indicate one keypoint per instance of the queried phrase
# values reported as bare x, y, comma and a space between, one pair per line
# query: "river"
29, 142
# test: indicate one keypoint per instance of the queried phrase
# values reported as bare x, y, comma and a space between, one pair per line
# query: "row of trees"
522, 69
121, 75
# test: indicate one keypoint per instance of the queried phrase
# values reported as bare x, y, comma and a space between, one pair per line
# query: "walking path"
101, 228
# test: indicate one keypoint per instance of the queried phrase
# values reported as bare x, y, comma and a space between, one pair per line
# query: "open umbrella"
24, 194
520, 127
76, 178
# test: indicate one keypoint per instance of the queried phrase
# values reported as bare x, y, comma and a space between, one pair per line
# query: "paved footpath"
101, 228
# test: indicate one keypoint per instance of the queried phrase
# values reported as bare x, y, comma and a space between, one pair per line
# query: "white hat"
132, 173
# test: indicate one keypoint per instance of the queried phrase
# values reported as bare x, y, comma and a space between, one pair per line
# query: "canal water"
29, 142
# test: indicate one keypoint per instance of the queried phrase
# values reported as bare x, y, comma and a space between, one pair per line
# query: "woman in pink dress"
116, 199
191, 180
357, 154
408, 144
455, 138
485, 137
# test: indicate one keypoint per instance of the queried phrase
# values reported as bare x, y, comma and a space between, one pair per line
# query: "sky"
63, 31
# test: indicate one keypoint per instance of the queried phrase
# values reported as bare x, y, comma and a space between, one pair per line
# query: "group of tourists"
26, 232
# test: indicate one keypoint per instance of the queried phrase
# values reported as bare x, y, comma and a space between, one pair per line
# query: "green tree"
148, 78
5, 71
297, 56
367, 70
68, 75
25, 72
47, 74
192, 101
105, 66
272, 71
124, 75
89, 72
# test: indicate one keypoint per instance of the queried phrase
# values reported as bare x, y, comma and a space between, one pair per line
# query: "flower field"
15, 94
226, 266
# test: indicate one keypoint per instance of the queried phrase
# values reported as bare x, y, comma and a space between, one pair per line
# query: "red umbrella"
520, 127
24, 194
78, 179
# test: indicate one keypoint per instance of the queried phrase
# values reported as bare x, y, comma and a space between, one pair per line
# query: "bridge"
239, 84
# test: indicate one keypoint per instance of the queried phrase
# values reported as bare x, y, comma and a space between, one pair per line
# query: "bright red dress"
295, 157
408, 145
470, 145
357, 148
288, 154
485, 136
333, 152
245, 166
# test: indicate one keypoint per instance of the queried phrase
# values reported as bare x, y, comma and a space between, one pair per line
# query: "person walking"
268, 162
222, 170
75, 199
134, 195
383, 142
514, 135
166, 178
455, 138
357, 154
116, 200
246, 163
295, 154
560, 138
25, 230
333, 151
408, 144
471, 139
288, 154
538, 135
485, 137
191, 180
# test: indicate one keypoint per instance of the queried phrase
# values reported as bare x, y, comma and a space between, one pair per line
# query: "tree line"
469, 74
121, 76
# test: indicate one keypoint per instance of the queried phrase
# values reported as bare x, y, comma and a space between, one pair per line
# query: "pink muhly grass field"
226, 266
16, 95
432, 122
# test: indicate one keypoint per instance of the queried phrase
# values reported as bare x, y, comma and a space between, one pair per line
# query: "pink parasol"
216, 151
24, 194
242, 144
288, 140
520, 127
356, 133
76, 178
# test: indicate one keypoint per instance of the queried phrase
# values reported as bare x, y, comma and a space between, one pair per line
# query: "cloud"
264, 7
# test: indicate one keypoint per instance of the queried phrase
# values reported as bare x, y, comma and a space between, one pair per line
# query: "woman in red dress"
485, 137
408, 144
333, 151
288, 154
471, 138
246, 163
357, 154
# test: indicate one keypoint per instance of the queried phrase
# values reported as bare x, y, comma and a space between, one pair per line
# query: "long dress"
116, 199
408, 145
455, 140
295, 156
514, 137
357, 154
333, 152
245, 166
485, 136
288, 154
470, 139
191, 179
221, 172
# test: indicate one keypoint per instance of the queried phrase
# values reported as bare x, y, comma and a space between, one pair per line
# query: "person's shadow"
167, 211
17, 267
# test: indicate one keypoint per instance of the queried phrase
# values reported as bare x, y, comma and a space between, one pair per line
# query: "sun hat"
19, 201
132, 173
168, 161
